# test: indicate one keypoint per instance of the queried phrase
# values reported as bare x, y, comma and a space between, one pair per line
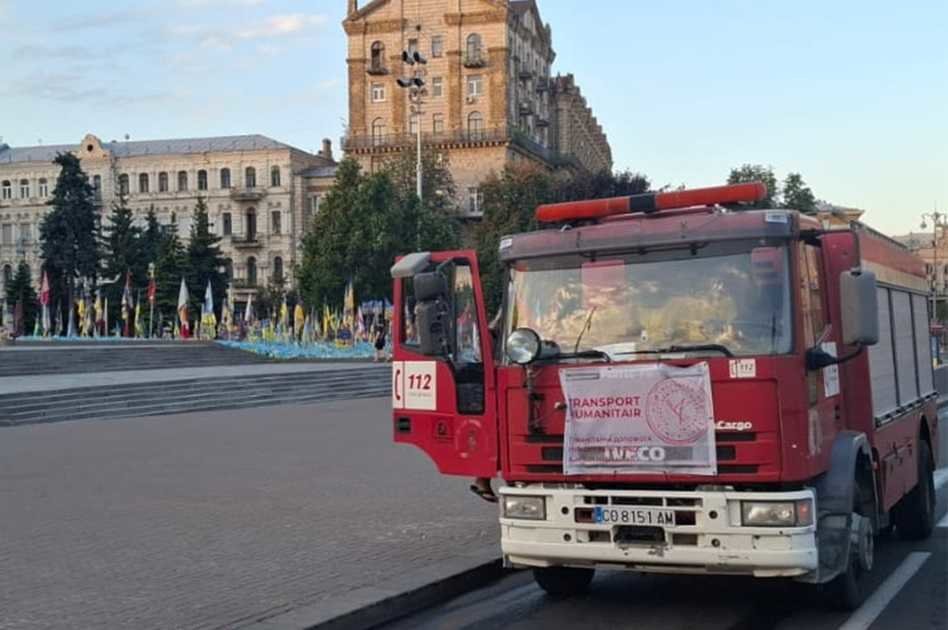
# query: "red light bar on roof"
649, 202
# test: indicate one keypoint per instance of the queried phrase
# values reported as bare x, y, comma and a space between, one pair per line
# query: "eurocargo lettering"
677, 384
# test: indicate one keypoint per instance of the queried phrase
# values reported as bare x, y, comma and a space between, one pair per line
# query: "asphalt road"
645, 602
220, 519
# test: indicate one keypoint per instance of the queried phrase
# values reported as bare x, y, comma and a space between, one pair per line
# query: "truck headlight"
777, 513
531, 508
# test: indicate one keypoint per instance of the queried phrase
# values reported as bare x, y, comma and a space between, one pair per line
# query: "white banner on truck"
641, 419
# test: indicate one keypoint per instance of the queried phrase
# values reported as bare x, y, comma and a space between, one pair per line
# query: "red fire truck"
674, 385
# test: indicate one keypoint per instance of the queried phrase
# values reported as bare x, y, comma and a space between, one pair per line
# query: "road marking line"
941, 478
877, 602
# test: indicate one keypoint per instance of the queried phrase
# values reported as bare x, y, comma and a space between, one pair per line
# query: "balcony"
239, 242
526, 108
526, 73
474, 59
543, 84
377, 69
254, 193
542, 122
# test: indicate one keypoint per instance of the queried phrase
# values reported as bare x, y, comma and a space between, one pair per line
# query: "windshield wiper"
715, 347
582, 354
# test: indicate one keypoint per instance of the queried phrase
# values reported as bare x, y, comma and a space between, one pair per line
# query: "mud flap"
835, 491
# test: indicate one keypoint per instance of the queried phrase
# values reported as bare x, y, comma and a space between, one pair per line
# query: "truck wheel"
562, 582
914, 515
847, 591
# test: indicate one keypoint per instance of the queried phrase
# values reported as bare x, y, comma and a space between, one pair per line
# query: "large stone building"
488, 98
260, 194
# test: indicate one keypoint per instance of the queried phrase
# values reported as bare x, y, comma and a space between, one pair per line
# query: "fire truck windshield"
732, 294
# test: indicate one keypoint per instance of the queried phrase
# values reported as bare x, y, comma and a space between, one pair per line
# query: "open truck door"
443, 378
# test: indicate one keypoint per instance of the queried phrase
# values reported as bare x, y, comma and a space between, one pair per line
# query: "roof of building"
136, 148
319, 171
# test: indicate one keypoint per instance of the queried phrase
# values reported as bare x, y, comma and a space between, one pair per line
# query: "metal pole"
418, 155
935, 267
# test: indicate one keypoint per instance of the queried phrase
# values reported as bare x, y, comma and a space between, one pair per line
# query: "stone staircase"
205, 394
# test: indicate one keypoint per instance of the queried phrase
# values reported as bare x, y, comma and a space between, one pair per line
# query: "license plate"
633, 516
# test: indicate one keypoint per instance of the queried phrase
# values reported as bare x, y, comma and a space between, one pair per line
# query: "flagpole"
151, 300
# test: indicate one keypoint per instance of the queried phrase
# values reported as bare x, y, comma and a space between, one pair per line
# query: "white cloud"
282, 26
219, 3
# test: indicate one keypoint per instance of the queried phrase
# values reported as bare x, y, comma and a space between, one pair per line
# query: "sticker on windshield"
776, 217
743, 368
505, 243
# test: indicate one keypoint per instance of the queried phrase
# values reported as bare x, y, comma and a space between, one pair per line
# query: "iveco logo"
733, 425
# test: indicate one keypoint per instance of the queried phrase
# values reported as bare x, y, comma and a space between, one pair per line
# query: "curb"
387, 607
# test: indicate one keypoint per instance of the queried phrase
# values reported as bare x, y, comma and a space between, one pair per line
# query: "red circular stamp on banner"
676, 412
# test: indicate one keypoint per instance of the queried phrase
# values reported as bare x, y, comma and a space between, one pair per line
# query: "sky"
851, 94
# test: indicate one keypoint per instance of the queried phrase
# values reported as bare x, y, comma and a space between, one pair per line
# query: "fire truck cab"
672, 386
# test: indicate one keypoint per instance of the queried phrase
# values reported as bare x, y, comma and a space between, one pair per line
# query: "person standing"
379, 335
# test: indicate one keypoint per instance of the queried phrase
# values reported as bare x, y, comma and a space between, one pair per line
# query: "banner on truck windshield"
642, 419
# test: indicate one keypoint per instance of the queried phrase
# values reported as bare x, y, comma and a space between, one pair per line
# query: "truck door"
824, 418
443, 379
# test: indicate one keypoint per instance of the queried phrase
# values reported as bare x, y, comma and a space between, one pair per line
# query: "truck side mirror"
430, 285
433, 315
859, 307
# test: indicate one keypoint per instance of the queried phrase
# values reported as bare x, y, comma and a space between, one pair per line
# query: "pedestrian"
379, 338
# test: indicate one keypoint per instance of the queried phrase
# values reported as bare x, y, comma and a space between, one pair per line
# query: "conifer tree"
20, 291
171, 264
205, 262
121, 254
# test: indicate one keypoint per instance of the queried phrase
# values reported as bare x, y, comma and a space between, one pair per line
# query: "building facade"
488, 99
260, 195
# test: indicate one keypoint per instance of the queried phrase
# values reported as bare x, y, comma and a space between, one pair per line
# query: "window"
7, 189
182, 180
475, 125
475, 85
6, 234
229, 269
24, 188
475, 199
250, 177
250, 224
97, 186
123, 184
437, 123
202, 180
378, 92
378, 56
437, 46
225, 178
275, 222
437, 87
278, 270
275, 176
252, 271
413, 124
473, 50
811, 293
26, 233
143, 182
378, 131
228, 224
310, 210
162, 182
43, 188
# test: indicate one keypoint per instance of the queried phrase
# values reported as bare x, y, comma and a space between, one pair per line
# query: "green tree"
171, 264
20, 291
151, 237
758, 173
121, 248
365, 221
205, 262
797, 195
69, 232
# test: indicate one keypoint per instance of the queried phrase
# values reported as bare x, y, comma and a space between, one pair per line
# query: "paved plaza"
219, 519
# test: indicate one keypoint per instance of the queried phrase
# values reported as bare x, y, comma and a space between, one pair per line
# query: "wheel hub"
863, 544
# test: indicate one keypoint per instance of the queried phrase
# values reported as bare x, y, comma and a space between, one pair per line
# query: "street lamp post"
939, 221
415, 85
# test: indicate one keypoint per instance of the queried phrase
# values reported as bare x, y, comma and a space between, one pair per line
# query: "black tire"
563, 582
848, 590
914, 515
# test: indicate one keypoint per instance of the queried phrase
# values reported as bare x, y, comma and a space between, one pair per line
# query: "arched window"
275, 176
7, 189
7, 275
250, 177
228, 227
182, 180
250, 224
24, 188
225, 178
143, 182
275, 222
378, 56
43, 187
278, 270
475, 125
162, 182
251, 272
123, 184
202, 180
473, 50
378, 131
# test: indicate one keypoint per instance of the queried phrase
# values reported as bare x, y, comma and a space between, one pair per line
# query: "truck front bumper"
708, 537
